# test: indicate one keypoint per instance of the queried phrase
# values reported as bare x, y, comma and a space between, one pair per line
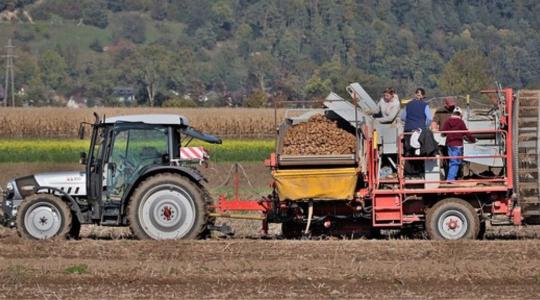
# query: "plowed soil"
269, 269
108, 263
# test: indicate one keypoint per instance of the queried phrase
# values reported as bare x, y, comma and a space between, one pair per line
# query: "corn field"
48, 122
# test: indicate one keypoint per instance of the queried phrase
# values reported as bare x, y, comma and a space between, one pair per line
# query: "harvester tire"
44, 216
168, 206
452, 219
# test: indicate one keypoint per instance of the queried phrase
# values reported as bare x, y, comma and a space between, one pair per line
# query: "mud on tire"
168, 206
44, 216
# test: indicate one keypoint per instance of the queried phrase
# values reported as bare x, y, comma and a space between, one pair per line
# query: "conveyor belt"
526, 149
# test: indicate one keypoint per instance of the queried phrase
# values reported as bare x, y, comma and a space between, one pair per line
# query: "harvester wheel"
44, 216
168, 206
452, 219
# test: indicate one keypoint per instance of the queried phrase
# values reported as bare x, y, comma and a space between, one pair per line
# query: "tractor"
139, 172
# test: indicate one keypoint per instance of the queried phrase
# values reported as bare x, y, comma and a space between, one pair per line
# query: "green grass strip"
51, 150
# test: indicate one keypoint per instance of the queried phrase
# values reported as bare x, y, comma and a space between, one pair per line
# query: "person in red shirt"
454, 141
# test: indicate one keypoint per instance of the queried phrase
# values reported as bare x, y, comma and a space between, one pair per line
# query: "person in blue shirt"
417, 114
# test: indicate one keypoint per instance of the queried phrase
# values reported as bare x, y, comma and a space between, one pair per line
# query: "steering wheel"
127, 164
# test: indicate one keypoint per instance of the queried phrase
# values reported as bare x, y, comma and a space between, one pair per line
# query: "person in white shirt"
388, 107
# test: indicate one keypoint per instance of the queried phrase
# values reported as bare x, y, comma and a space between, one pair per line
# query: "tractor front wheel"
452, 219
44, 216
168, 206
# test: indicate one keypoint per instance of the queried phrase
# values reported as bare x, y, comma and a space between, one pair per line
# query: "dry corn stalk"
56, 122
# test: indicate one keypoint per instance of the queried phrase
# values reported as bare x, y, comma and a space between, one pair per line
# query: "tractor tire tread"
198, 195
60, 204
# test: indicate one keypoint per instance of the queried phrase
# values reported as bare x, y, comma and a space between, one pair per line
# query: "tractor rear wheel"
44, 216
452, 219
168, 206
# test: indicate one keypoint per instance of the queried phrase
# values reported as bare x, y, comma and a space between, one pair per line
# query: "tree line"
244, 52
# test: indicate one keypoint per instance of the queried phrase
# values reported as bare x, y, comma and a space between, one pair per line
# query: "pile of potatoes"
318, 136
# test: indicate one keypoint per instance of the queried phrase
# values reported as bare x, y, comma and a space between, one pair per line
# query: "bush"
179, 102
132, 27
23, 35
96, 46
257, 99
94, 15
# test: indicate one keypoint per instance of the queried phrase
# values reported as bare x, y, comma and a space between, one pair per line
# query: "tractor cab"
123, 149
139, 170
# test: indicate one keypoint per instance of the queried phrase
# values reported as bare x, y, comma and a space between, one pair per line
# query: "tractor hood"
73, 183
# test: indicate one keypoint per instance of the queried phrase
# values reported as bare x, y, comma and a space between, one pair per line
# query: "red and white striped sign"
193, 153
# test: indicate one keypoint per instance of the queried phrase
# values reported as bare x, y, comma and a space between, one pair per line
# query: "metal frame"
504, 188
507, 180
387, 204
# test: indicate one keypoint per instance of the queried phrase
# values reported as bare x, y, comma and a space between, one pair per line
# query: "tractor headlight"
10, 187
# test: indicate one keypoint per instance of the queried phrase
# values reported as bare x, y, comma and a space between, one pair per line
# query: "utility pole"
10, 75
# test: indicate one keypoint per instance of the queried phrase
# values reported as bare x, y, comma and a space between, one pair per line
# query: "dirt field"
108, 263
268, 269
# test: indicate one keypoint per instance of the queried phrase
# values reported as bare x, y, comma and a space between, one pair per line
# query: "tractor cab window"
132, 150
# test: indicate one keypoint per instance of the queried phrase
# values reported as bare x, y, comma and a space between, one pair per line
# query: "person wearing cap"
454, 141
442, 114
388, 107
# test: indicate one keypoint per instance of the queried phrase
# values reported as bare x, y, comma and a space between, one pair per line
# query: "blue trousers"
454, 163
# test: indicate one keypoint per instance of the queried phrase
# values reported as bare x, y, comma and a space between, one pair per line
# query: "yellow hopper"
316, 184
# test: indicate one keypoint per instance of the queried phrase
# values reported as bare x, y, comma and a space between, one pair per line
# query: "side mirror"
81, 132
82, 159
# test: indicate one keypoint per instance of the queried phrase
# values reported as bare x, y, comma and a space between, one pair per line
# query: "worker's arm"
379, 106
468, 136
393, 111
427, 112
435, 122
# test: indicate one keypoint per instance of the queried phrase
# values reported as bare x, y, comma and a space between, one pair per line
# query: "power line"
10, 75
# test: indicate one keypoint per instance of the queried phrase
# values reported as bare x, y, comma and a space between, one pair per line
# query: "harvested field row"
64, 122
269, 269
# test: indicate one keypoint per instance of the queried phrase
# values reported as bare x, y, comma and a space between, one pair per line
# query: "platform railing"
402, 181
